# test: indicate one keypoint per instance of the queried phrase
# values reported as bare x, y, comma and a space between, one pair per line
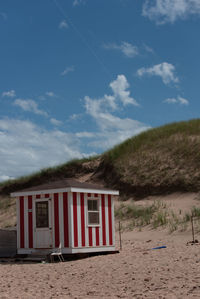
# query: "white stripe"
93, 236
61, 230
86, 220
34, 224
69, 250
113, 219
70, 189
100, 222
79, 220
106, 219
18, 222
52, 217
71, 230
26, 234
69, 219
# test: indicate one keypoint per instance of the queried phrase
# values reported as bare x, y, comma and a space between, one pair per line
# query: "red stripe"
97, 236
46, 195
30, 222
110, 220
21, 202
38, 196
103, 219
82, 220
56, 220
96, 195
65, 216
90, 236
75, 219
89, 194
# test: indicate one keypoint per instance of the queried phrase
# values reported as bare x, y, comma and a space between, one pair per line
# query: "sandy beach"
136, 272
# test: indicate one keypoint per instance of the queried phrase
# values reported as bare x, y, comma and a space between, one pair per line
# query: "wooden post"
192, 228
120, 238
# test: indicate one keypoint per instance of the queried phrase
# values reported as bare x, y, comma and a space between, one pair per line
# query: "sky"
80, 76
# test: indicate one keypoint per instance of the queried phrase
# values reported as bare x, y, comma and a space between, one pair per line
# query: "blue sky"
79, 76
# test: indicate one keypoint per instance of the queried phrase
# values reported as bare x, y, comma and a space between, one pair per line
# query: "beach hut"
76, 217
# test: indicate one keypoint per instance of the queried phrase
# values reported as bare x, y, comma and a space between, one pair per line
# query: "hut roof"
64, 185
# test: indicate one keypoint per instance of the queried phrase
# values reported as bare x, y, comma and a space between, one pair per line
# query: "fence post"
192, 227
120, 238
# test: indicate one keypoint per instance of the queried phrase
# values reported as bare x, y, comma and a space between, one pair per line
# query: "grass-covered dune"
158, 161
71, 169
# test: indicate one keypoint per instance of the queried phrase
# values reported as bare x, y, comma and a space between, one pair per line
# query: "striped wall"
92, 236
69, 221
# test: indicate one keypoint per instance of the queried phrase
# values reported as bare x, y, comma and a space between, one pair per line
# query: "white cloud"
77, 2
85, 134
168, 11
110, 102
55, 122
183, 101
179, 100
164, 70
74, 116
126, 48
63, 25
67, 70
30, 106
3, 15
148, 49
50, 94
170, 101
9, 94
26, 147
4, 177
111, 128
119, 87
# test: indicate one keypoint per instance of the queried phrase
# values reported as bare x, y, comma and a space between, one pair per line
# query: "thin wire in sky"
83, 39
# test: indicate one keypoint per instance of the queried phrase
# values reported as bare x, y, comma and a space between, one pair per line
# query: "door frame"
50, 210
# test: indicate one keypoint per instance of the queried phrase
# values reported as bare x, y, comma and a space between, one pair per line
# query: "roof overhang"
69, 189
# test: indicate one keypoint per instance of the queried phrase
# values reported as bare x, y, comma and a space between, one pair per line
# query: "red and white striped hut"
78, 217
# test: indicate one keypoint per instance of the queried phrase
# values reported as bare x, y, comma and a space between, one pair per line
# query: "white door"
43, 223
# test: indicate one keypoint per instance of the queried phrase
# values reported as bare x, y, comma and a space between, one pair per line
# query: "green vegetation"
148, 138
158, 161
155, 215
66, 170
138, 214
195, 212
6, 203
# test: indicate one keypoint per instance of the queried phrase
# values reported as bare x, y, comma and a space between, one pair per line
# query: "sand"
136, 272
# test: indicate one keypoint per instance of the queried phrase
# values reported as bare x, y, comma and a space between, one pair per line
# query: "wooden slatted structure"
79, 217
8, 243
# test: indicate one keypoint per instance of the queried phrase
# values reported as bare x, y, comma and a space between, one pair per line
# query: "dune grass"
66, 170
156, 215
149, 137
157, 161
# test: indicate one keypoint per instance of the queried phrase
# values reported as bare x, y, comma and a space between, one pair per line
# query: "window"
93, 212
42, 214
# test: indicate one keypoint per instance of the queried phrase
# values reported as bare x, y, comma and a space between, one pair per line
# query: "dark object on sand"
159, 247
193, 242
